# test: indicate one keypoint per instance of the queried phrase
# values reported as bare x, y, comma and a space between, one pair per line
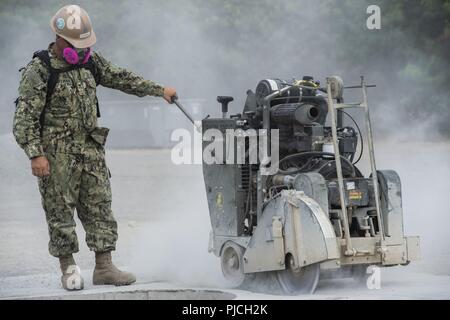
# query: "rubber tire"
236, 277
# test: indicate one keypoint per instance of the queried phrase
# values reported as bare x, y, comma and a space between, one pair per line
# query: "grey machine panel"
225, 185
391, 206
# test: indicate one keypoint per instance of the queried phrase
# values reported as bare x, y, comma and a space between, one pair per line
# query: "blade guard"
305, 231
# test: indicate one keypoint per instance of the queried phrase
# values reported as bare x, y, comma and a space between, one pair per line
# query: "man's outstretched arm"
114, 77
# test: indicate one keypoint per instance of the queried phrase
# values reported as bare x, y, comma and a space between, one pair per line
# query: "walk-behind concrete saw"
299, 207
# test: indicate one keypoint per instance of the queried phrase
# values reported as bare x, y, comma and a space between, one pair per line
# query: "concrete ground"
164, 226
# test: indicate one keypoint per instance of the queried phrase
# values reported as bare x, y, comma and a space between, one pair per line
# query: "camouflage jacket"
71, 111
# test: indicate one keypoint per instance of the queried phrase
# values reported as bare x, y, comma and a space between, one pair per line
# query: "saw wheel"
296, 281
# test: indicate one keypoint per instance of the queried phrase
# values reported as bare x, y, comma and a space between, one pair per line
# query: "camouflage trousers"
81, 182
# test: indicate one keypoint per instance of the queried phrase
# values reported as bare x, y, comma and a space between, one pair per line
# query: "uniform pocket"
89, 85
99, 135
60, 100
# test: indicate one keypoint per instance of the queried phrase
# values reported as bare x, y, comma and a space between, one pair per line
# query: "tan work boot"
71, 275
105, 271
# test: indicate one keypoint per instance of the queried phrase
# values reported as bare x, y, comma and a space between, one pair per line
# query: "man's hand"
169, 93
40, 166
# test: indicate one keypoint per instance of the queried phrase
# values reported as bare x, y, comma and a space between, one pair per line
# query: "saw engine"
314, 211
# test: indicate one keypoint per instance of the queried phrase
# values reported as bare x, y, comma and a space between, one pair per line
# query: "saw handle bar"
174, 100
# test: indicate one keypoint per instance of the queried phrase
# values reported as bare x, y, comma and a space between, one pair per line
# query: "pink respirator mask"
74, 56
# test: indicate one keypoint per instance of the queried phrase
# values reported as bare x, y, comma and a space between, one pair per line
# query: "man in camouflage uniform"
59, 134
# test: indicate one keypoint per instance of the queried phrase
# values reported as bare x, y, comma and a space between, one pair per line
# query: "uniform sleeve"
30, 104
112, 76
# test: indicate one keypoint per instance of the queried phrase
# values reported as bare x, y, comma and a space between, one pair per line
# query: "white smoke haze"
193, 46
